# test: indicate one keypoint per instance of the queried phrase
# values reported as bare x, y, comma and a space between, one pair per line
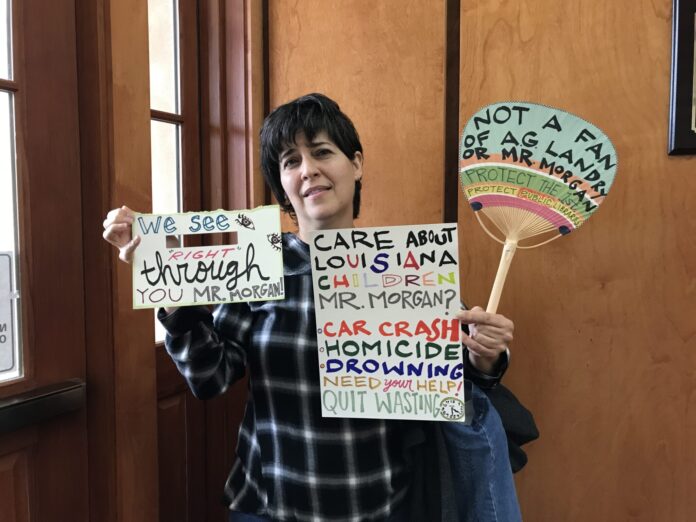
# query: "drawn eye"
274, 240
245, 222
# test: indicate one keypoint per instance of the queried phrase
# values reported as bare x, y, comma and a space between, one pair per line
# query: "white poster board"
389, 344
251, 269
7, 320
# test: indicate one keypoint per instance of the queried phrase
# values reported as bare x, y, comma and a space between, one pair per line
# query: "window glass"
5, 39
164, 55
166, 164
166, 177
163, 22
10, 363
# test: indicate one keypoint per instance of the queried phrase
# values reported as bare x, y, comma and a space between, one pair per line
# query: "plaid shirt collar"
296, 258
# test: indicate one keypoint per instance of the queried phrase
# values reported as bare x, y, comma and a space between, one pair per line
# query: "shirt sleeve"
209, 349
484, 380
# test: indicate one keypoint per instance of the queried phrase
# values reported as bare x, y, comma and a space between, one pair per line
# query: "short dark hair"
310, 114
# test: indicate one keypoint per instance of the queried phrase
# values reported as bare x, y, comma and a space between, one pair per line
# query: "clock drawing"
451, 408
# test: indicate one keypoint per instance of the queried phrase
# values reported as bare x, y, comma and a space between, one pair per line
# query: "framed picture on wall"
682, 105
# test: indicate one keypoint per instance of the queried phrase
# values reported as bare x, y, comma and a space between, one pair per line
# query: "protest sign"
389, 344
537, 173
545, 161
249, 269
8, 360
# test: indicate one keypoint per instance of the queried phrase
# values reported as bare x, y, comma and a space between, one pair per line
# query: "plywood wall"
606, 317
605, 350
382, 62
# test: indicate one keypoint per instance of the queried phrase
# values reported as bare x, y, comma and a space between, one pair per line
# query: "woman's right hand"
117, 231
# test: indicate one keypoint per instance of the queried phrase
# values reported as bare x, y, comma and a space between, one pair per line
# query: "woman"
292, 463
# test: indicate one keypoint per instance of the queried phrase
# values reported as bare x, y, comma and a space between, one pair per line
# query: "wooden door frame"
114, 111
44, 437
115, 159
233, 45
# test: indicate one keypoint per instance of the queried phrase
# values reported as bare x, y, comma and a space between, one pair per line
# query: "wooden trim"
51, 251
230, 106
256, 87
182, 457
18, 440
24, 218
40, 404
133, 334
166, 117
24, 444
212, 58
25, 381
190, 105
451, 130
23, 187
231, 111
8, 85
115, 152
265, 35
237, 132
94, 59
265, 32
45, 247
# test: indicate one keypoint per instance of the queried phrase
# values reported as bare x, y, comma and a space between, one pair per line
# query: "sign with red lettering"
389, 343
250, 268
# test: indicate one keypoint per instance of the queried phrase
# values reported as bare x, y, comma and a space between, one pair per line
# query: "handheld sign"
8, 355
389, 344
535, 172
251, 269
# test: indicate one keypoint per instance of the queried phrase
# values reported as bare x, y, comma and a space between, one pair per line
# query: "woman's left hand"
489, 336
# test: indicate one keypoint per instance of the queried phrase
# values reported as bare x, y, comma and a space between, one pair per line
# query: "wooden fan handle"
505, 259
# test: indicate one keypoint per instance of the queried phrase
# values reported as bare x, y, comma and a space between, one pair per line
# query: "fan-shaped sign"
539, 167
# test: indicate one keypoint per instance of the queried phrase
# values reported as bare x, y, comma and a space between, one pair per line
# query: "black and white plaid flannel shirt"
292, 463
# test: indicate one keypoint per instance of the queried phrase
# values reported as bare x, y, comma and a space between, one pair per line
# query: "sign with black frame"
682, 106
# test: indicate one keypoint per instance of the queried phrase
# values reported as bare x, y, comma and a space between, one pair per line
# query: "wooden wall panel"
605, 343
115, 152
171, 425
134, 358
18, 477
255, 13
605, 350
14, 487
49, 167
44, 468
383, 63
181, 450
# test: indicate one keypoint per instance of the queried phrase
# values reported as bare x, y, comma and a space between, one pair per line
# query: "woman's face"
319, 181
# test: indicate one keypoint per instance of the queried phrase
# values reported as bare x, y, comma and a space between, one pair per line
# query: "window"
165, 104
10, 338
173, 106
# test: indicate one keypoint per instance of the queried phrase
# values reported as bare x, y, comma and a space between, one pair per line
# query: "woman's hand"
117, 231
489, 336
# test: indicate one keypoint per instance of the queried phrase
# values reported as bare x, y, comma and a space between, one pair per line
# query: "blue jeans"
235, 516
478, 456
